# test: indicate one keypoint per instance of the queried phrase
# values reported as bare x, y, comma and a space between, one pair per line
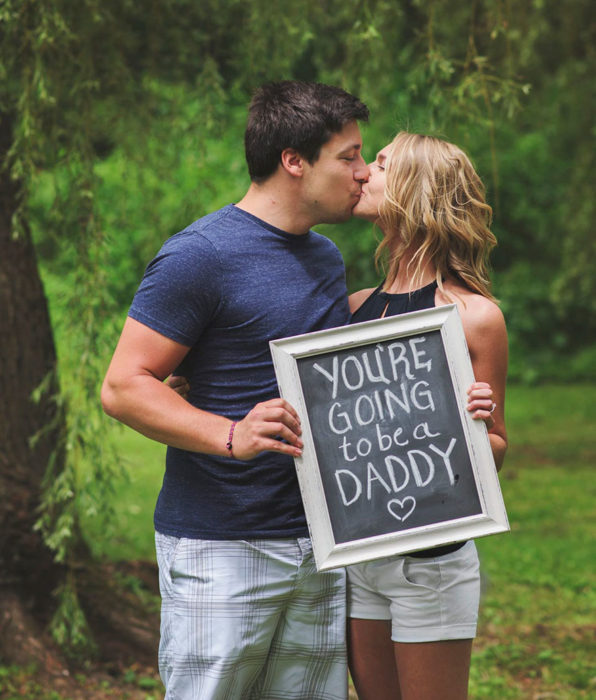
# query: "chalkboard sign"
392, 460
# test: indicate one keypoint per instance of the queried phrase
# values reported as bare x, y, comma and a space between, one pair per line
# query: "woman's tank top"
381, 304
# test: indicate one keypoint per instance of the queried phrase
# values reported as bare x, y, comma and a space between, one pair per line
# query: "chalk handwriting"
399, 360
381, 409
399, 510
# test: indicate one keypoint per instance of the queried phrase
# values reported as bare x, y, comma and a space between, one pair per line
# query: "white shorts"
250, 620
427, 600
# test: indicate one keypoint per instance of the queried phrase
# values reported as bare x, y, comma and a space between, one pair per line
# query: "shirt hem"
235, 535
157, 326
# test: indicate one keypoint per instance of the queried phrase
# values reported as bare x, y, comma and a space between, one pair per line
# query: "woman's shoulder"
478, 313
358, 298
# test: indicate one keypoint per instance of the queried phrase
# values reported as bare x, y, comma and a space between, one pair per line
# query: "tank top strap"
372, 307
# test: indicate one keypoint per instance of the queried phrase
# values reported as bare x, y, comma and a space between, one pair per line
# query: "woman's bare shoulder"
358, 298
478, 313
483, 314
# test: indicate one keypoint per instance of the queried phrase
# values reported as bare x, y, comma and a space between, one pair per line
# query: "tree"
40, 127
25, 365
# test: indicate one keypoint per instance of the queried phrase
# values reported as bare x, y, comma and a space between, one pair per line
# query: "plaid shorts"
250, 620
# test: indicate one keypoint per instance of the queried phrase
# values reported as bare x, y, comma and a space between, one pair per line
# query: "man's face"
332, 185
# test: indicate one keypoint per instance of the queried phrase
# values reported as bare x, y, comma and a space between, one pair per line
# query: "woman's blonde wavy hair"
435, 204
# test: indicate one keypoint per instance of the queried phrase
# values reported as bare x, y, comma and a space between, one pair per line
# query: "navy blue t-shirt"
225, 287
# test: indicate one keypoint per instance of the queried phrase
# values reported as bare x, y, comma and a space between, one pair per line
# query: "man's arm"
133, 392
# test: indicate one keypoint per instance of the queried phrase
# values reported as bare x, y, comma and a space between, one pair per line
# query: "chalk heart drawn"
401, 510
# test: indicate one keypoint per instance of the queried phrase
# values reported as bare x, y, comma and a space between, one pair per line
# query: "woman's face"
373, 191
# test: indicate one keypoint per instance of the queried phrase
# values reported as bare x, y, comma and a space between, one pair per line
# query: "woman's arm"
486, 335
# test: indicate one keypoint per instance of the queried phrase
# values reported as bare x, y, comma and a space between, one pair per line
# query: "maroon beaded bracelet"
230, 436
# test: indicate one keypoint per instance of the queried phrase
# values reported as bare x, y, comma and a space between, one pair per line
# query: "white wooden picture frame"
383, 412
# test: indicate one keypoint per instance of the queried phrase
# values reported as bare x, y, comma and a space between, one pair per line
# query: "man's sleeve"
181, 289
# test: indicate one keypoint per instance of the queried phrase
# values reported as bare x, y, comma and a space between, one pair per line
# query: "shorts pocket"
166, 547
425, 573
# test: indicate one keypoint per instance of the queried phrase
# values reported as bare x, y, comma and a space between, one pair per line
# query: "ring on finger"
493, 407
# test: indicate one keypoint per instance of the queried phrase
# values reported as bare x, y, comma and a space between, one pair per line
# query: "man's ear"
292, 162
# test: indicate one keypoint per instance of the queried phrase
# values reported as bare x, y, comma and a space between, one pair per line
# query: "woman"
413, 617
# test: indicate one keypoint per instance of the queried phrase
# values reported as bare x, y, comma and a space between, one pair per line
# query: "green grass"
536, 637
538, 612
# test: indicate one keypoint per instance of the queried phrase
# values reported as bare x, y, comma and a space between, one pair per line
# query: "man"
244, 612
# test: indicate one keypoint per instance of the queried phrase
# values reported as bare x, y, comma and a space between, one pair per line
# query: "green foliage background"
510, 82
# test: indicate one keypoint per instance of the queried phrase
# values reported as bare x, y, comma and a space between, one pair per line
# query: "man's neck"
276, 207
